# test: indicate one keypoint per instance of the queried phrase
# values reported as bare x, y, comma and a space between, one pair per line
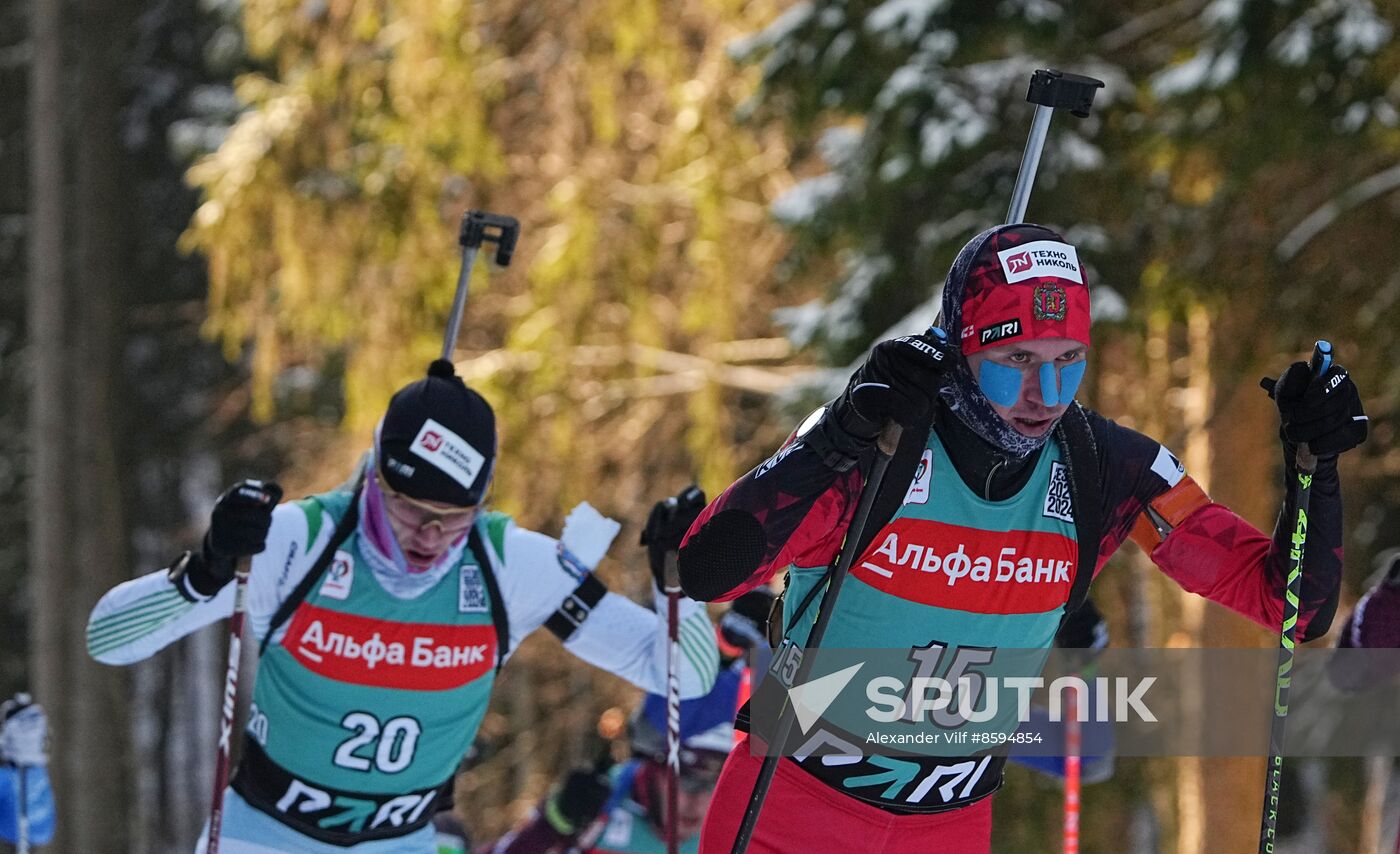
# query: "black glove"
1085, 628
576, 803
745, 624
898, 382
666, 527
1323, 411
237, 528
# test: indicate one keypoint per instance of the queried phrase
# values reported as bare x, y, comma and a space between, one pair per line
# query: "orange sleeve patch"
1173, 507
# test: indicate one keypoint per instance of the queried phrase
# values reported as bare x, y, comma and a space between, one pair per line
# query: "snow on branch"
1321, 219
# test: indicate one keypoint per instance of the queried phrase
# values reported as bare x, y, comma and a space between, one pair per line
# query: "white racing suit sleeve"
618, 635
627, 639
144, 615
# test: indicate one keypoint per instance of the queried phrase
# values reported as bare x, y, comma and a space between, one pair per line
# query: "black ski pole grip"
1059, 90
485, 227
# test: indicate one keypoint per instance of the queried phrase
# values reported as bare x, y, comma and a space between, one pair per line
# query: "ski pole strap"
343, 529
576, 608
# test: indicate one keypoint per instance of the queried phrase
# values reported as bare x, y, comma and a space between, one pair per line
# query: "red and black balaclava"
1010, 283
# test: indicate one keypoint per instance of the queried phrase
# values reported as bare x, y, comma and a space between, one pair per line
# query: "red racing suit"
794, 510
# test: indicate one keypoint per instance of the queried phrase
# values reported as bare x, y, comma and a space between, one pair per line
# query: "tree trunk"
1378, 770
1245, 467
1193, 792
77, 547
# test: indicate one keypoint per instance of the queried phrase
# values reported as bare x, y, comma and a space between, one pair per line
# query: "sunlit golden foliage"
330, 211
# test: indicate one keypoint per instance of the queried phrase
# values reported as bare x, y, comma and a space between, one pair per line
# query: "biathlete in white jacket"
384, 610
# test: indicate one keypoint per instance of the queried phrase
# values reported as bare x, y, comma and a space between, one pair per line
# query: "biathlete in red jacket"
1004, 499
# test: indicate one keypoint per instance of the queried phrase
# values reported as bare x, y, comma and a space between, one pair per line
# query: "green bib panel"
954, 568
370, 693
952, 586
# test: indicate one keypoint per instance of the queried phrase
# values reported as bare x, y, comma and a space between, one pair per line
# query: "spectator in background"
26, 800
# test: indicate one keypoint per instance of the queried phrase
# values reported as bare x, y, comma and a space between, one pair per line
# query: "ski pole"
673, 700
1072, 767
1301, 487
1050, 90
235, 651
268, 493
477, 227
886, 445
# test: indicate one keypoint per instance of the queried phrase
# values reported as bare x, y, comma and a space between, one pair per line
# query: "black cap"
438, 440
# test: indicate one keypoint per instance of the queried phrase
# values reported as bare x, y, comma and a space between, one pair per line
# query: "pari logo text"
999, 331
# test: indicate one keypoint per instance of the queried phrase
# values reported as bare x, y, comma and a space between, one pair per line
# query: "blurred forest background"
227, 234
